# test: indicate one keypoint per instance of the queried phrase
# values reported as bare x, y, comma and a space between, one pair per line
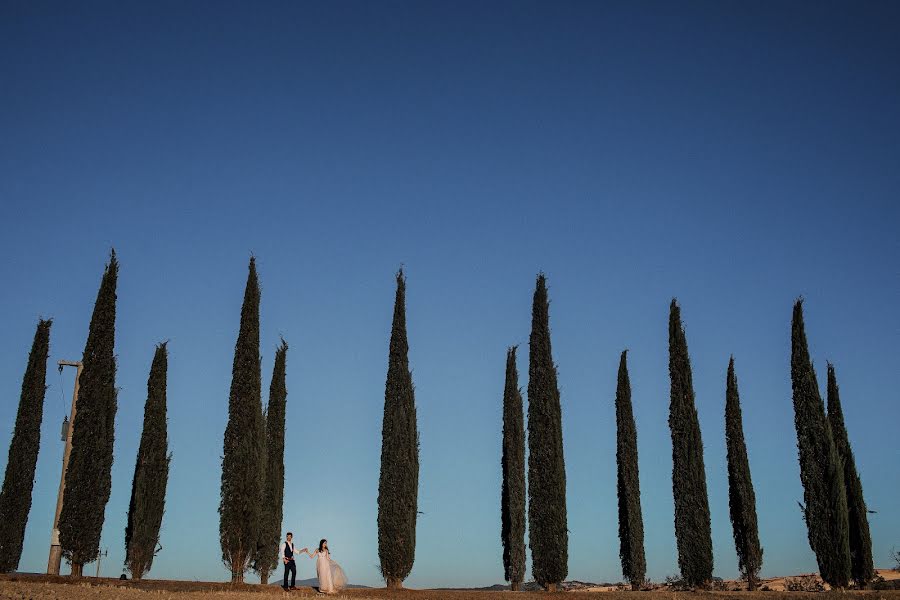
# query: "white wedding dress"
331, 575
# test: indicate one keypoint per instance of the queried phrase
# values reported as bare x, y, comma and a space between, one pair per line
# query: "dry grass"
17, 587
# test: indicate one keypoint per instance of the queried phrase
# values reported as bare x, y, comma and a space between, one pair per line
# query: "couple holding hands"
331, 575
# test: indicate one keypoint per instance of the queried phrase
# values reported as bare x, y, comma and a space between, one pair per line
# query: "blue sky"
732, 155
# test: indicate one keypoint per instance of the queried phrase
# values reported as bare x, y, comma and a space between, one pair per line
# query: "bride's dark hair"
321, 544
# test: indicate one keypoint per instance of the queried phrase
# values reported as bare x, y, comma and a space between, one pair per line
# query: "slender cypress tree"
398, 485
825, 509
151, 473
89, 474
512, 497
244, 448
548, 534
692, 527
741, 497
628, 486
266, 560
18, 483
862, 568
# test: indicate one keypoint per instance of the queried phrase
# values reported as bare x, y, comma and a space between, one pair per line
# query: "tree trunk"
550, 587
751, 584
237, 577
264, 578
393, 583
76, 569
635, 586
514, 586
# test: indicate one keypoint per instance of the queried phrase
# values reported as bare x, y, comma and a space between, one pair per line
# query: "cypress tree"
692, 527
628, 487
266, 560
89, 474
548, 535
151, 473
512, 500
741, 497
825, 509
18, 483
244, 447
398, 485
862, 569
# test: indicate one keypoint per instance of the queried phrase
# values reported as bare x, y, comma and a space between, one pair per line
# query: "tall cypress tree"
741, 497
89, 474
862, 568
151, 473
825, 509
628, 486
512, 497
548, 534
266, 560
398, 485
244, 448
692, 527
18, 483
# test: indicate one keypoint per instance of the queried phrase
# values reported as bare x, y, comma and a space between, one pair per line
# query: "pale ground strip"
23, 590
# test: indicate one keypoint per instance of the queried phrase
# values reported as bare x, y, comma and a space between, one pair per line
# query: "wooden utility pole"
100, 555
55, 549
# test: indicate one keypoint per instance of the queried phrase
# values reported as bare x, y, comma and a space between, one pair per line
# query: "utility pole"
55, 549
100, 555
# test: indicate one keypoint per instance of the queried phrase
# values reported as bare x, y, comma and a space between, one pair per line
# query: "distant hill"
313, 582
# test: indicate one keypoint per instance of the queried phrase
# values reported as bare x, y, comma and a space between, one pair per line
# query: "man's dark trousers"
290, 567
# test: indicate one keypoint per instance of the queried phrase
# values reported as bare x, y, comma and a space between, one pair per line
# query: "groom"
287, 556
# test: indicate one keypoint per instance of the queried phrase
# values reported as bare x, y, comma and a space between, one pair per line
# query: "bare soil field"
27, 587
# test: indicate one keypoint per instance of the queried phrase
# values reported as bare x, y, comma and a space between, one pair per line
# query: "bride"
331, 575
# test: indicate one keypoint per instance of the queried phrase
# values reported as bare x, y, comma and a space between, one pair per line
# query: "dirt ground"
18, 587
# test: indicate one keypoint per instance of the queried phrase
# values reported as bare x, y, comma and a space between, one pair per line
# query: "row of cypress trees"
253, 473
835, 511
88, 476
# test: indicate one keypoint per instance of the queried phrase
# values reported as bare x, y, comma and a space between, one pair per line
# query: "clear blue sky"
734, 155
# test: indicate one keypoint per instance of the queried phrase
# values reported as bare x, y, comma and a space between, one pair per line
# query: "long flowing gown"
331, 575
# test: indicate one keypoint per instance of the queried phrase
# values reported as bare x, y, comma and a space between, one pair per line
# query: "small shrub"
803, 583
886, 584
675, 582
719, 585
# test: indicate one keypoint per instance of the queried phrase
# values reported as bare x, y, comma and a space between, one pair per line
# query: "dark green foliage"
692, 528
512, 497
15, 499
243, 472
548, 535
89, 475
825, 498
741, 497
266, 559
862, 568
151, 473
398, 485
628, 486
